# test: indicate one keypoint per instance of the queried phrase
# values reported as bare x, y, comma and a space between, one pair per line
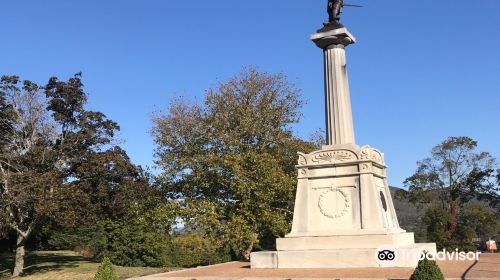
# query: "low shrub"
130, 244
106, 271
193, 249
427, 270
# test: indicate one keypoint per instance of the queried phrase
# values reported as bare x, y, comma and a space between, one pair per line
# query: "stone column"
339, 125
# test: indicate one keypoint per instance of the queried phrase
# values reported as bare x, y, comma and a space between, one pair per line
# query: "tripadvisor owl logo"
386, 256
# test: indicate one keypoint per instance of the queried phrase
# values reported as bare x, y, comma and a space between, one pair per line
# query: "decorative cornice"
343, 155
369, 153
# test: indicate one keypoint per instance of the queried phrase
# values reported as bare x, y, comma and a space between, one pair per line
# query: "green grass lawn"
65, 265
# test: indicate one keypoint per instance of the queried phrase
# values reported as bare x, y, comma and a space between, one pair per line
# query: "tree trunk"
248, 251
20, 253
453, 218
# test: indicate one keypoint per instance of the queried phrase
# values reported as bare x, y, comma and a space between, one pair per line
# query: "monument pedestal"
344, 215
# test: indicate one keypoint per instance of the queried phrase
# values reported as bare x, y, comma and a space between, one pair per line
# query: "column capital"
336, 37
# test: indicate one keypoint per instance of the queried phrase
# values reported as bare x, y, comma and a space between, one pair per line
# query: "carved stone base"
343, 188
343, 213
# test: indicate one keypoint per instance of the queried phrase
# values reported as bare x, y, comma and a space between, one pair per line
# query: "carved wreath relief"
334, 203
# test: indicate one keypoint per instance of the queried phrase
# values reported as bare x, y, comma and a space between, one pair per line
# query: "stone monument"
344, 213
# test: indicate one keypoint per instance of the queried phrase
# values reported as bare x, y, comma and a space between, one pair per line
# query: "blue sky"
420, 72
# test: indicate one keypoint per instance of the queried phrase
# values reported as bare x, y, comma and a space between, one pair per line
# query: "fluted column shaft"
339, 125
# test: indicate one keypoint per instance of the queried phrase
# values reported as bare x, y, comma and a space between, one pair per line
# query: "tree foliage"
476, 221
191, 249
141, 238
453, 175
106, 271
427, 270
436, 221
58, 164
231, 159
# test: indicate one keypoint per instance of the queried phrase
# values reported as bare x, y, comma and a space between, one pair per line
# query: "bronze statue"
334, 10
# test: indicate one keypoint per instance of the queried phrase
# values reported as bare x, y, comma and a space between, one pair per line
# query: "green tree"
453, 175
231, 160
109, 187
111, 184
192, 249
46, 137
141, 238
28, 182
106, 271
476, 221
427, 270
436, 221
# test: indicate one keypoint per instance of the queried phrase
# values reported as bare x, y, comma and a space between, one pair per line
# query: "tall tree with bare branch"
454, 174
45, 135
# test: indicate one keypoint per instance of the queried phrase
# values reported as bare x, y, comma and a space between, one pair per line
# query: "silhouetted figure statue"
334, 10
